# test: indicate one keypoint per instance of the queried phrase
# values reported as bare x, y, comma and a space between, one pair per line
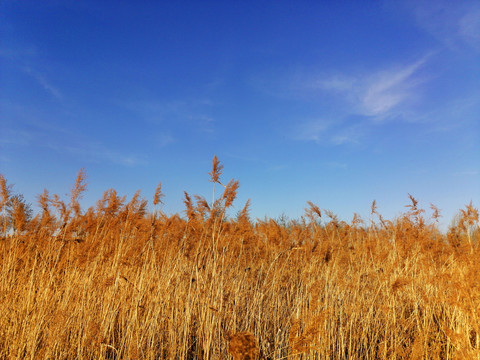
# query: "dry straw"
243, 346
117, 281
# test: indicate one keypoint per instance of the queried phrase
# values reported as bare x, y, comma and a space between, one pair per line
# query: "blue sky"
336, 102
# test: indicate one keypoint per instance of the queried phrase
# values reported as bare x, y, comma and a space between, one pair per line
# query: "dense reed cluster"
122, 281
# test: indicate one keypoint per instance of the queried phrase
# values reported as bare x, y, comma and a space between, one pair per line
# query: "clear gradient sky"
336, 102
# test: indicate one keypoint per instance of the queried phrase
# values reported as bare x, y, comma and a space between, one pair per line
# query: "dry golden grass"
243, 346
119, 282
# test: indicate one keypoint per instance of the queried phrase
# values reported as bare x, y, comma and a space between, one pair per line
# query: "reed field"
124, 280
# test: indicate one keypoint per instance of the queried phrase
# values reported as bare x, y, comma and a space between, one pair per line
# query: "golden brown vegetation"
120, 282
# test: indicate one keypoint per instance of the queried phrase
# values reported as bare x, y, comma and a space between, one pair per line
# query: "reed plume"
119, 282
157, 198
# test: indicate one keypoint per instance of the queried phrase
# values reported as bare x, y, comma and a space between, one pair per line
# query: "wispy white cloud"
452, 114
312, 130
21, 58
15, 137
469, 27
348, 135
456, 24
164, 139
367, 98
335, 83
28, 133
376, 93
195, 113
205, 123
98, 153
380, 92
117, 158
42, 81
329, 132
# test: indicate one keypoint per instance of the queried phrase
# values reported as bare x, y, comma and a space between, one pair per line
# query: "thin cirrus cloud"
352, 134
44, 83
452, 115
375, 94
21, 58
15, 137
165, 139
63, 141
194, 112
388, 89
312, 130
470, 28
329, 132
373, 97
88, 150
99, 153
455, 24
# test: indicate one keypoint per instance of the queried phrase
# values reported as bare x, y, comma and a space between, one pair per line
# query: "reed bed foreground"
119, 282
